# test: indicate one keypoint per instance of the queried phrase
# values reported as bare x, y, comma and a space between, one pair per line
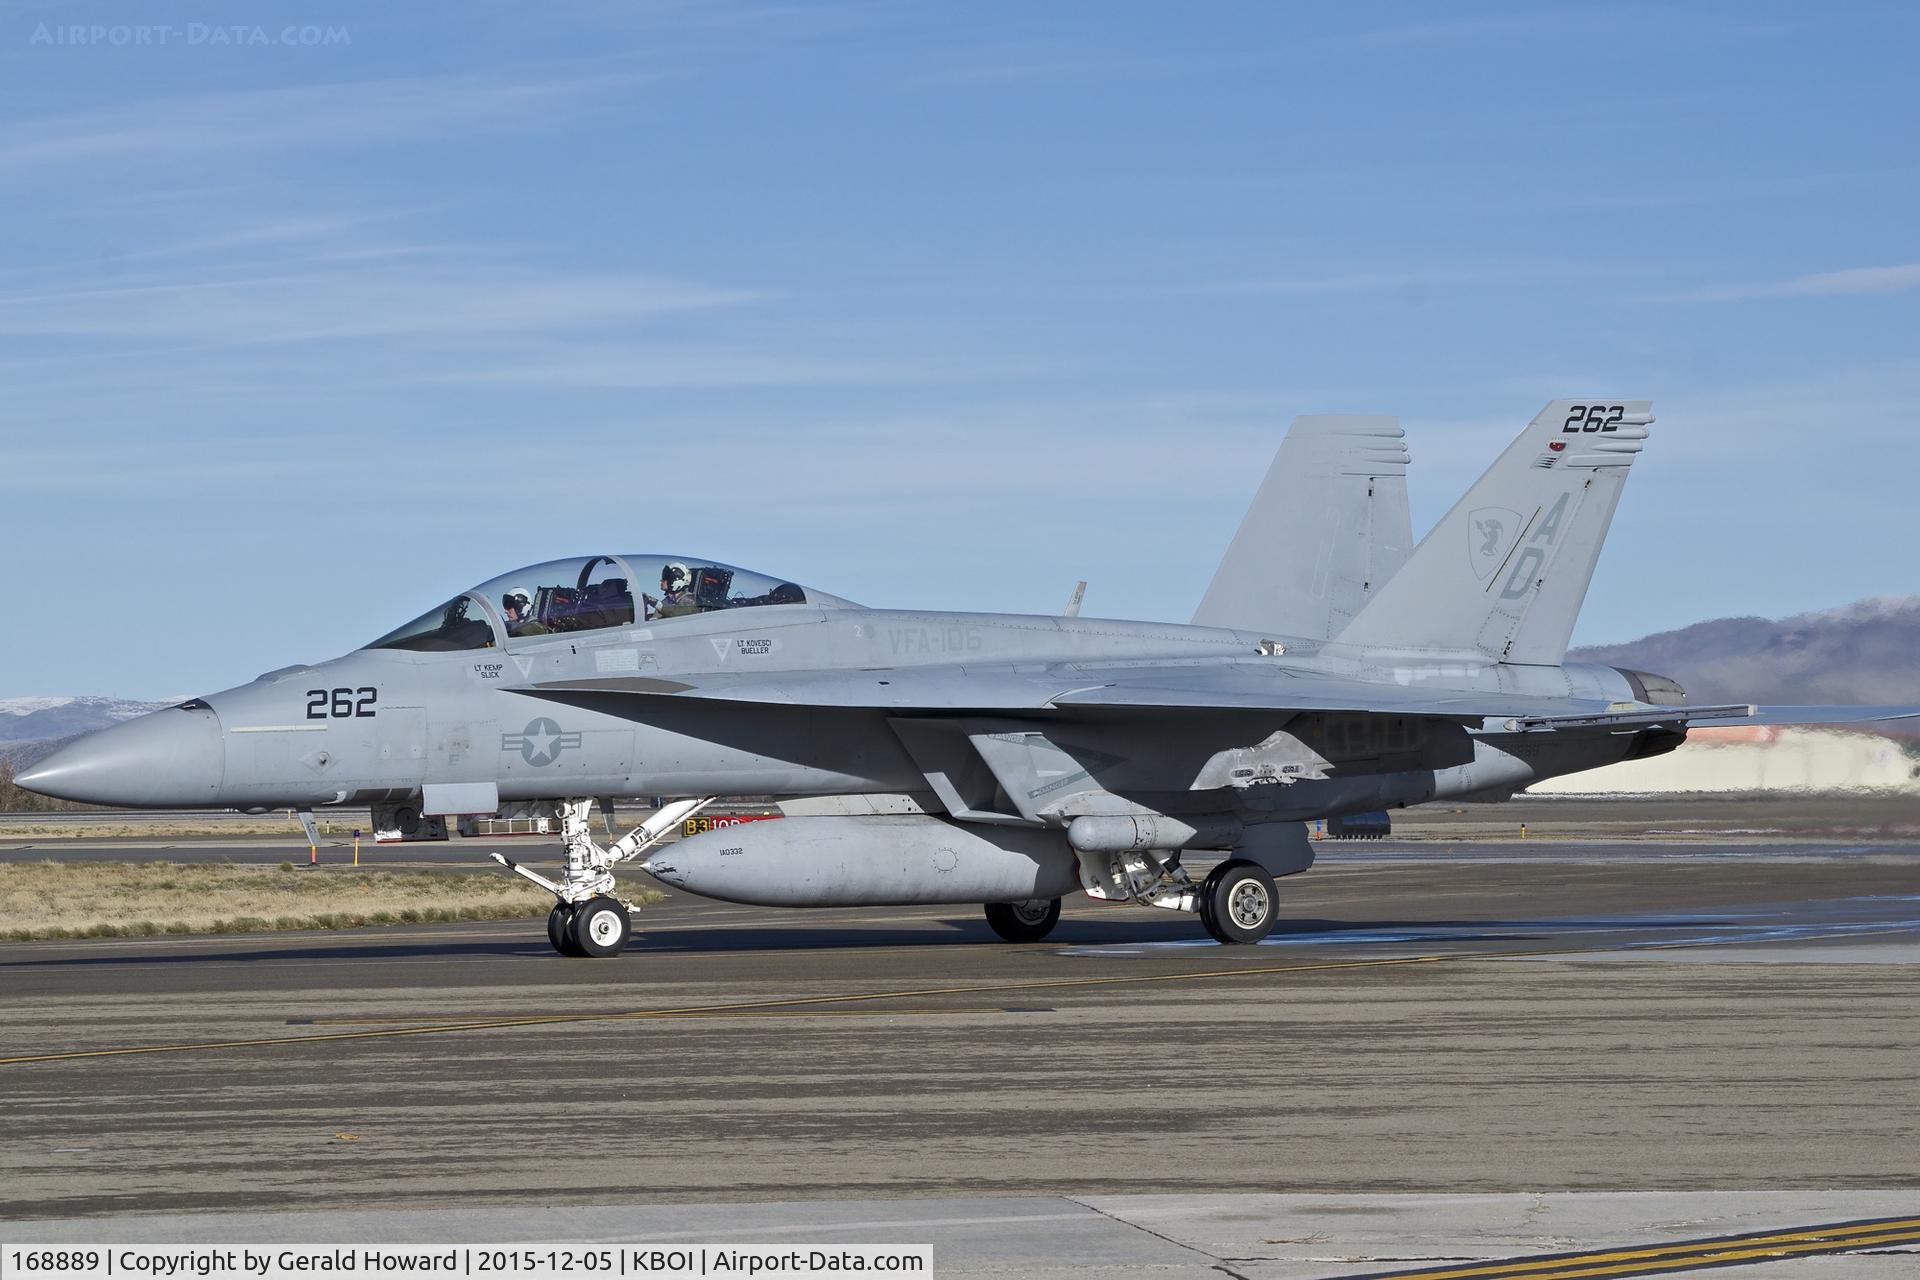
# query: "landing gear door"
404, 824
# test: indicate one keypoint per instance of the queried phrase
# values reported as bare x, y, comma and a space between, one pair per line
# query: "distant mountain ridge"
1866, 652
48, 719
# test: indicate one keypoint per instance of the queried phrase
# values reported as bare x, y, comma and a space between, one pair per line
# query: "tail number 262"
1593, 417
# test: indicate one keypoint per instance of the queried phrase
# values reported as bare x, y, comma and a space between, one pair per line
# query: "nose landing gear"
589, 918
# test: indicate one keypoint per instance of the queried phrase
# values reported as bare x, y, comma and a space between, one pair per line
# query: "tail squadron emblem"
1490, 534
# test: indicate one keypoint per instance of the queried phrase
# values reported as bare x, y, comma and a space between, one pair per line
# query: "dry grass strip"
119, 899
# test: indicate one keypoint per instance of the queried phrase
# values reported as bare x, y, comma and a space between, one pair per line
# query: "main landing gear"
589, 918
1237, 902
1028, 921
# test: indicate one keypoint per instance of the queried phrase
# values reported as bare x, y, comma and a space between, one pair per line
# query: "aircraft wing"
1163, 686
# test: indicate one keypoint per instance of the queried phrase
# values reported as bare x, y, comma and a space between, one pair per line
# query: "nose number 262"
325, 703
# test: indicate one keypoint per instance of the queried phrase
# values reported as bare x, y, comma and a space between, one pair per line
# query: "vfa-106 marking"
1332, 669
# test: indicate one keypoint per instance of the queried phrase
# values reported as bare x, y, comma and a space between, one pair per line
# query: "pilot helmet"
675, 576
517, 600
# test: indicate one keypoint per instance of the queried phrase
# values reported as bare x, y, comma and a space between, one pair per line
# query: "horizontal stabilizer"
1649, 718
1834, 715
1736, 714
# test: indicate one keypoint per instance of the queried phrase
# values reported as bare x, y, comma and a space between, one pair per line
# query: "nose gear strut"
589, 917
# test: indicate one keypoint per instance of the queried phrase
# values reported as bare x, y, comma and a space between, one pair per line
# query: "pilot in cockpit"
519, 611
676, 592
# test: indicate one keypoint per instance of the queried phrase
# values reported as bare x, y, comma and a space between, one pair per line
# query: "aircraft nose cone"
169, 759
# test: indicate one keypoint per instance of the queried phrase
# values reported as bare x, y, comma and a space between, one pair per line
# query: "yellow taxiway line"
1687, 1255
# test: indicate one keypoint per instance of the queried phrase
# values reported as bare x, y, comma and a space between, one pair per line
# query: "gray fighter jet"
1004, 760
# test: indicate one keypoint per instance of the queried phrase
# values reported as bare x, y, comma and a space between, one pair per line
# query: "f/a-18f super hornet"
996, 759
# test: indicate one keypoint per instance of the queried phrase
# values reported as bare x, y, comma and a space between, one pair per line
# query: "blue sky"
926, 305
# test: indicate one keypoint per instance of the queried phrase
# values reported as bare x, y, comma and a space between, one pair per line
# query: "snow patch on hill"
27, 706
45, 718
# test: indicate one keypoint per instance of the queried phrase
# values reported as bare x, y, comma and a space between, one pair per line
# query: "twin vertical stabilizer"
1505, 573
1328, 527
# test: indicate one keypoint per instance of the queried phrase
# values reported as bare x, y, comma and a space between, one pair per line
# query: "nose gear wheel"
560, 928
600, 927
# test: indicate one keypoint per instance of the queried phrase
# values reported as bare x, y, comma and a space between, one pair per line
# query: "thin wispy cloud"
401, 301
1851, 283
1562, 24
265, 234
653, 367
1409, 282
1445, 31
341, 115
958, 456
737, 23
135, 467
1355, 282
1038, 69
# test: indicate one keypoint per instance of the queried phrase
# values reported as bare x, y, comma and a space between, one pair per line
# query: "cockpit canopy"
592, 594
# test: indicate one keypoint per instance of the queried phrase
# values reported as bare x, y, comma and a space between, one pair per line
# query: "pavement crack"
1218, 1262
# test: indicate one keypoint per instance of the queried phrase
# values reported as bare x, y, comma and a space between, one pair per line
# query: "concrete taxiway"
1846, 1235
1517, 1018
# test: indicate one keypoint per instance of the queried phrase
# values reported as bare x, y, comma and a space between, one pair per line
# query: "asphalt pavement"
1537, 1021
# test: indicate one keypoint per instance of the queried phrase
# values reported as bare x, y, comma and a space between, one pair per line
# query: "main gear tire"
1205, 898
600, 927
1028, 921
1238, 903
